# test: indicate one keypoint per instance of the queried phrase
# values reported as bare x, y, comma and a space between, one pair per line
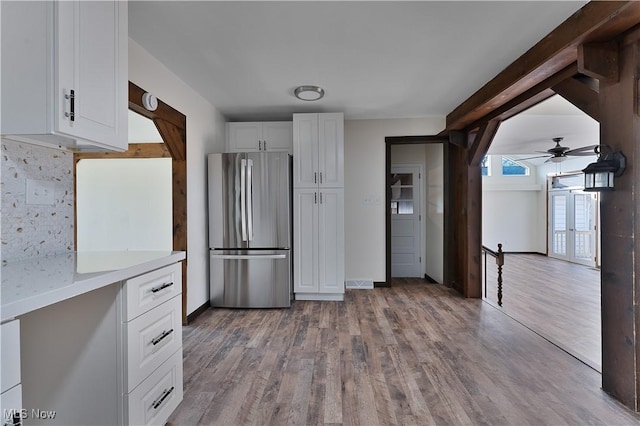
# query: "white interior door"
573, 226
406, 259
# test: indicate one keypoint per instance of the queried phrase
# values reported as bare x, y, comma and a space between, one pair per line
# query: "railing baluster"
500, 262
499, 256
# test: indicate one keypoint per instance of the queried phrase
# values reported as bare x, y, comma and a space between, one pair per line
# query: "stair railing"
499, 256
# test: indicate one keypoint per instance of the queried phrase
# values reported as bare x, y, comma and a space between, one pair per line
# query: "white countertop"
32, 284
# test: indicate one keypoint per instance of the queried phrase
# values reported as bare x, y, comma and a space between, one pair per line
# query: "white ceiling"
374, 59
532, 131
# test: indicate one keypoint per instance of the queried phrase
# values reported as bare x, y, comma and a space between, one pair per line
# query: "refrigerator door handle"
243, 200
248, 256
249, 200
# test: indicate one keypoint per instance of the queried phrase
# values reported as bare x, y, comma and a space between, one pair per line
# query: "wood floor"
557, 299
412, 354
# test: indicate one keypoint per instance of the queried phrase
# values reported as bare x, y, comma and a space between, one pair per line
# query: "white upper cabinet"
260, 136
318, 150
65, 73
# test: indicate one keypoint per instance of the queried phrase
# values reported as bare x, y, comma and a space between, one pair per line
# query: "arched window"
511, 167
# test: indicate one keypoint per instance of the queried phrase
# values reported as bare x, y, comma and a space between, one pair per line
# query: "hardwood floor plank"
414, 353
562, 303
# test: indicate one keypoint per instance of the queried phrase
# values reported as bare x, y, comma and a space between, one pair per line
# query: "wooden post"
620, 232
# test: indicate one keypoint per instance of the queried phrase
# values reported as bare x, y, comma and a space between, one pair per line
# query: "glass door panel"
572, 226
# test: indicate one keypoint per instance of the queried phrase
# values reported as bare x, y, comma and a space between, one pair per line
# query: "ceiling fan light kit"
599, 176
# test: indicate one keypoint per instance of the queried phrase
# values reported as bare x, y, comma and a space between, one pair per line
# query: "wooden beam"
163, 111
526, 100
136, 150
174, 137
458, 138
596, 21
481, 143
580, 95
407, 140
620, 235
599, 60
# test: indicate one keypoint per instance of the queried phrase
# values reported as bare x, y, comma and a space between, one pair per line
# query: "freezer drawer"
250, 278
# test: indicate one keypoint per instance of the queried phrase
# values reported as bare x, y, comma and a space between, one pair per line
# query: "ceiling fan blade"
581, 154
531, 158
585, 150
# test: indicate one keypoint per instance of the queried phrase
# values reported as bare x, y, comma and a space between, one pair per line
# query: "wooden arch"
172, 126
592, 60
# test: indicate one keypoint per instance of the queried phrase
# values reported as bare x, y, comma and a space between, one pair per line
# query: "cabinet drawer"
10, 354
10, 406
150, 290
151, 338
155, 399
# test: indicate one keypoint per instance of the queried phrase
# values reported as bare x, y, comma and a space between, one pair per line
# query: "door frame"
389, 141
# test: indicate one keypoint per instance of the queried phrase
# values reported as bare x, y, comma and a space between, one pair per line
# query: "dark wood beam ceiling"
595, 22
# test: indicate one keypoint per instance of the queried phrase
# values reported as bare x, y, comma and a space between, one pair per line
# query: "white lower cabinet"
153, 401
151, 339
11, 396
152, 336
111, 356
11, 405
318, 222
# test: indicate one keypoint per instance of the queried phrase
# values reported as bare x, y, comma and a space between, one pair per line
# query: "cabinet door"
331, 241
305, 150
305, 248
277, 136
92, 61
331, 150
243, 137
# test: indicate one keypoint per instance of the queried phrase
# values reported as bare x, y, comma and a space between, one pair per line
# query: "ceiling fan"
559, 153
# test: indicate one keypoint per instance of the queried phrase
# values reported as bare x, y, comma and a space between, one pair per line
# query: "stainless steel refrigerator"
250, 229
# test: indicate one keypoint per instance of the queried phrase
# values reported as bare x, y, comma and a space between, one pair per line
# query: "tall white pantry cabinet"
318, 208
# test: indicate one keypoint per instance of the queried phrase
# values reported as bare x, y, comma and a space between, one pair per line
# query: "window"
511, 167
484, 166
402, 193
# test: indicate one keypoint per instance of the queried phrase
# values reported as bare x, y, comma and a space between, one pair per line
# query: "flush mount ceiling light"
309, 93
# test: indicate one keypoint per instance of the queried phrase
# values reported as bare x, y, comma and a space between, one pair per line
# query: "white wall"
365, 189
510, 210
124, 204
205, 134
434, 216
514, 208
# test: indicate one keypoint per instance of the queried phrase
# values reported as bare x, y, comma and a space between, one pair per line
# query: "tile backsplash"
33, 230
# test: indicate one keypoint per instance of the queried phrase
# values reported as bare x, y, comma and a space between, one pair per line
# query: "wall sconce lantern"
599, 176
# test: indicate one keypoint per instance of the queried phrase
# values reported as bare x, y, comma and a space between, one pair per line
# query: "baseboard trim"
193, 315
525, 252
430, 280
377, 284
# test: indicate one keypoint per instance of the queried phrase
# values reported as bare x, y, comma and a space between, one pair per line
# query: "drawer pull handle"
162, 287
164, 396
161, 337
